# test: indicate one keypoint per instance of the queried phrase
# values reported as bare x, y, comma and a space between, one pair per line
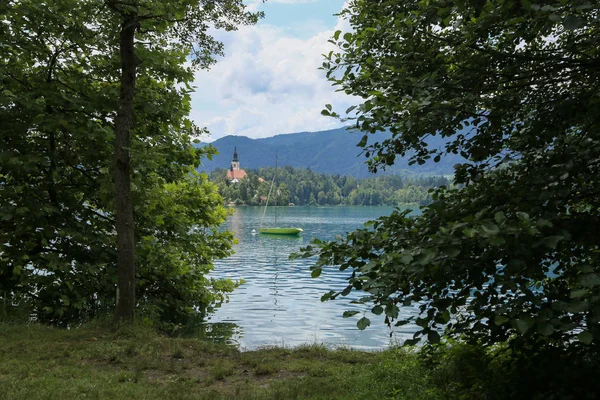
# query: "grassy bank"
38, 362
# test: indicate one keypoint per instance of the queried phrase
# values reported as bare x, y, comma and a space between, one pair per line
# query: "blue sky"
302, 18
268, 83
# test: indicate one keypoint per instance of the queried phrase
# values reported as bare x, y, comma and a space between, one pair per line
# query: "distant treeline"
305, 187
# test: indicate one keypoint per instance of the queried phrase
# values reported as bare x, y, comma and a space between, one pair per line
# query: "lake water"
279, 303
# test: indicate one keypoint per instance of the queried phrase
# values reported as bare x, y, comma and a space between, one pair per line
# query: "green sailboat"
280, 231
276, 230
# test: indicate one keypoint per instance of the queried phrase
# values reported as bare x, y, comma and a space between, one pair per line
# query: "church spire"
235, 163
235, 173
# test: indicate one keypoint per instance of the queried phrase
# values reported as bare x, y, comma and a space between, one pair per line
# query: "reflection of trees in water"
218, 332
282, 247
277, 250
275, 288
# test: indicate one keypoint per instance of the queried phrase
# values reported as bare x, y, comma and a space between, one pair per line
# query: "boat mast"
269, 196
276, 191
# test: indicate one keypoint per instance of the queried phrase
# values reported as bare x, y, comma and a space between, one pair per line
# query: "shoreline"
326, 206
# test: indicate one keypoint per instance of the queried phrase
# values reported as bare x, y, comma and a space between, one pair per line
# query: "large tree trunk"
125, 307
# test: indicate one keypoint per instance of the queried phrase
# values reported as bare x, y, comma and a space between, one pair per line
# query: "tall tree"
59, 85
513, 251
178, 24
125, 304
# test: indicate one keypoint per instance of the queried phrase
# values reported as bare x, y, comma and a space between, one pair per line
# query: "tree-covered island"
304, 187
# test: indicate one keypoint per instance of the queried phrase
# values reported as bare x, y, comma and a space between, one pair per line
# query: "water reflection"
280, 303
219, 332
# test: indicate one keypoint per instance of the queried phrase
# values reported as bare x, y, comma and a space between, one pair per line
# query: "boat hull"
280, 231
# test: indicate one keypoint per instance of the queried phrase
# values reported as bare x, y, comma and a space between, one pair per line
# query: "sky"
268, 82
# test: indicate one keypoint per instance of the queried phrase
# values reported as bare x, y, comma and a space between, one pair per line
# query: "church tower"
235, 173
235, 163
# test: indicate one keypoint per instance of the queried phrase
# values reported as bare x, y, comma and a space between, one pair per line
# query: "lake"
279, 303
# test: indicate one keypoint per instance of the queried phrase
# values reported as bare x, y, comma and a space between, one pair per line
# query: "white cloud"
258, 2
268, 83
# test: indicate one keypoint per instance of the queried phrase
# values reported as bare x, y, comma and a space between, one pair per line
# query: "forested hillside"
330, 152
306, 187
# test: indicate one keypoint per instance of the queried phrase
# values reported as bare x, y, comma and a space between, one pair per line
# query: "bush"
513, 371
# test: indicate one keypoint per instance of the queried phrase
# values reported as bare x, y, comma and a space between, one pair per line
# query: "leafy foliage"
517, 371
58, 100
56, 243
513, 250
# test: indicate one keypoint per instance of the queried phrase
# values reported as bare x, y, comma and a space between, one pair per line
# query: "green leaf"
572, 22
501, 319
363, 141
316, 272
577, 307
377, 310
554, 17
327, 296
392, 311
470, 232
22, 210
402, 322
452, 252
363, 323
426, 256
433, 337
490, 228
577, 293
585, 337
545, 329
589, 280
552, 241
522, 326
497, 241
586, 268
443, 317
348, 314
406, 258
499, 217
541, 222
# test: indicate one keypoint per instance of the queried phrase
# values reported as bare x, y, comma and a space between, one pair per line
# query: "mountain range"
331, 152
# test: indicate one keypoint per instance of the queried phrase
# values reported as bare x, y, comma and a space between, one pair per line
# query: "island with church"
302, 186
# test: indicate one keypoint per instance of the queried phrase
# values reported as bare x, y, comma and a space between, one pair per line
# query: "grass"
39, 362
